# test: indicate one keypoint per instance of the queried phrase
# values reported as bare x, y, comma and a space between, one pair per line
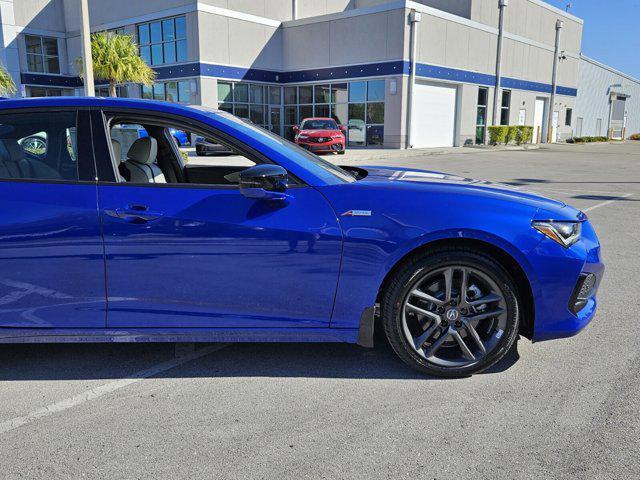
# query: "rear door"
51, 249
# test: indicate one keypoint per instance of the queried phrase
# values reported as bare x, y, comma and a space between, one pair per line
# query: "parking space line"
104, 389
608, 202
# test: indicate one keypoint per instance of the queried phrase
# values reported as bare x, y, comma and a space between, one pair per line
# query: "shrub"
635, 136
524, 134
587, 139
498, 134
511, 134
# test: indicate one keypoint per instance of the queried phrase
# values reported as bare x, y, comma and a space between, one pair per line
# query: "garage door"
434, 115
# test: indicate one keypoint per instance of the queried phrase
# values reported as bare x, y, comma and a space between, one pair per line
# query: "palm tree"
116, 59
7, 86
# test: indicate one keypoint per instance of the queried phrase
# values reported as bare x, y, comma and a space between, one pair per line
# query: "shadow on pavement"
38, 362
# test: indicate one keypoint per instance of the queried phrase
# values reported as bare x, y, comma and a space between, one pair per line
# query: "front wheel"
451, 313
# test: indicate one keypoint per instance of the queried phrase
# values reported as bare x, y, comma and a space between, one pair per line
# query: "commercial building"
278, 61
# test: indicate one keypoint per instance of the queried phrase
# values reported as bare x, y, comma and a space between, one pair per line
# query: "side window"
39, 146
152, 153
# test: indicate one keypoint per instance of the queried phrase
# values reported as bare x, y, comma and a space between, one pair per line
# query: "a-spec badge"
357, 213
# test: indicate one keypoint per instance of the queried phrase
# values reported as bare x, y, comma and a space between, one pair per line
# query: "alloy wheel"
454, 316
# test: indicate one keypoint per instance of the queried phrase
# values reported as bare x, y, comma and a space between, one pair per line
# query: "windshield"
319, 124
334, 170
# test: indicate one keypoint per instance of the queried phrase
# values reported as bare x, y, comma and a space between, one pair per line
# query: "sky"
611, 31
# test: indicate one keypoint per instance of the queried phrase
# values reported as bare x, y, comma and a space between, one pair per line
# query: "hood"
470, 186
320, 133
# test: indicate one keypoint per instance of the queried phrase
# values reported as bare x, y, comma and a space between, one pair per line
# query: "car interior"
37, 151
157, 158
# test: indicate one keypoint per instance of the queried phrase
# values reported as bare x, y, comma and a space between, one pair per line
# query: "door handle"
133, 214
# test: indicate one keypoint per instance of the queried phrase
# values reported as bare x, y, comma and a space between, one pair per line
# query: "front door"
538, 121
275, 120
200, 254
51, 253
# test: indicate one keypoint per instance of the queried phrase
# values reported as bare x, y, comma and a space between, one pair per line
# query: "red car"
321, 135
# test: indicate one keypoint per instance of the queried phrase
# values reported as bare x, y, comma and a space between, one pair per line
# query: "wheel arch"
497, 253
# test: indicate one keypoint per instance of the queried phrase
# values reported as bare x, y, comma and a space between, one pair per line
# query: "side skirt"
301, 335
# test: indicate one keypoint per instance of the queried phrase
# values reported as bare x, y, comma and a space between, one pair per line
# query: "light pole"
414, 19
554, 81
502, 4
87, 60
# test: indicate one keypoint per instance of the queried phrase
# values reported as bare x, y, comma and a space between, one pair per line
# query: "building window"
358, 105
505, 107
567, 120
103, 91
42, 54
249, 101
182, 91
481, 115
163, 41
45, 92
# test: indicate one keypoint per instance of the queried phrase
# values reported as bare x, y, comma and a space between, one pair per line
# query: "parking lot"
561, 409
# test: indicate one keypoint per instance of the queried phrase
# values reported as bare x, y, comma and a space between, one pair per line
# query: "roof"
319, 118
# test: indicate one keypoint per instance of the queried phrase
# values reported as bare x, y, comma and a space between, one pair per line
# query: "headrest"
117, 149
144, 150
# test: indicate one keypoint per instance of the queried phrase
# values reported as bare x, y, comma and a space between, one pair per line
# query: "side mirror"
296, 128
267, 182
343, 128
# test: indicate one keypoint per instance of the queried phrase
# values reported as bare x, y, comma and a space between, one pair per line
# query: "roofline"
558, 11
610, 69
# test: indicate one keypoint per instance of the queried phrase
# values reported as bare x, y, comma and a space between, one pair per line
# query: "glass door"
275, 119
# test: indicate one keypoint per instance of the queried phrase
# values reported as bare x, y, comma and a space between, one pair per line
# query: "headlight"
565, 233
303, 137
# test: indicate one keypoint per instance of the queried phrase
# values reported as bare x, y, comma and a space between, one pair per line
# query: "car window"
319, 124
38, 146
173, 155
315, 162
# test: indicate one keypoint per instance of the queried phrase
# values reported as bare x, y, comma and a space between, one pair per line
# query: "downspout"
414, 19
502, 4
554, 81
294, 9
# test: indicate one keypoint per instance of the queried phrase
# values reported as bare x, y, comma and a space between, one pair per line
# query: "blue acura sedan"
109, 238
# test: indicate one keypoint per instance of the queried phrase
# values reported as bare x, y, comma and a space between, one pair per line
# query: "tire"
493, 337
341, 152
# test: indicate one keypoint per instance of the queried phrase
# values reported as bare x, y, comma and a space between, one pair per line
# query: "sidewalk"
359, 154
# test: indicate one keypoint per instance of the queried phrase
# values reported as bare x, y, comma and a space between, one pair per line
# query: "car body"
321, 135
88, 257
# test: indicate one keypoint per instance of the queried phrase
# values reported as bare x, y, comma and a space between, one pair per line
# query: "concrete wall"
116, 11
343, 41
230, 41
593, 101
532, 19
40, 14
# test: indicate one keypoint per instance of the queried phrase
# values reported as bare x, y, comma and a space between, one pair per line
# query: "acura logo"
452, 315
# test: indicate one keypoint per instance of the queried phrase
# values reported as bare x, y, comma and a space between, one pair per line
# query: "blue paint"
214, 264
381, 69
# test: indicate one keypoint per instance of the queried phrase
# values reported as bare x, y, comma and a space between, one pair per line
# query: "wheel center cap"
452, 314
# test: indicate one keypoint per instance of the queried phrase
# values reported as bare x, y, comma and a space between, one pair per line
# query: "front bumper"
559, 313
333, 146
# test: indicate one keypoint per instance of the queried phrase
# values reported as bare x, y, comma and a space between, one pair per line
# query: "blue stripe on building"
399, 67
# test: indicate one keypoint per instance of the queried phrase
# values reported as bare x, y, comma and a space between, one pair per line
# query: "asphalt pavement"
560, 409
